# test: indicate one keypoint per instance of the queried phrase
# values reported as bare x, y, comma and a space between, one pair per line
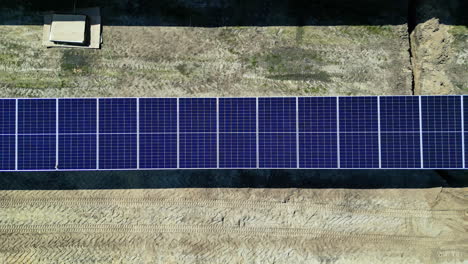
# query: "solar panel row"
283, 132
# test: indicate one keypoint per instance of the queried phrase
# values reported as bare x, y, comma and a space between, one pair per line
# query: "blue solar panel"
358, 114
117, 115
158, 115
359, 150
36, 152
277, 150
442, 150
317, 114
77, 116
237, 115
399, 114
318, 150
442, 136
465, 116
77, 151
7, 116
277, 114
197, 115
158, 151
441, 113
197, 150
197, 140
399, 126
117, 151
359, 144
237, 150
401, 150
36, 116
7, 152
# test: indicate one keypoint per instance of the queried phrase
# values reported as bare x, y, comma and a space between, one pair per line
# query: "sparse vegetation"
75, 62
228, 61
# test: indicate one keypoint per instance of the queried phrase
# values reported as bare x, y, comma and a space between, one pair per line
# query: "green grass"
378, 30
74, 62
317, 76
292, 63
314, 90
458, 30
460, 35
362, 32
299, 35
14, 80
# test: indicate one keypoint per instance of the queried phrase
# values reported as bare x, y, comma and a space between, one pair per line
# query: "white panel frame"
421, 133
56, 134
463, 131
338, 132
297, 133
16, 134
138, 132
379, 133
257, 134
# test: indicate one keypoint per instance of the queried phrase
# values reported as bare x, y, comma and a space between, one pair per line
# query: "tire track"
142, 202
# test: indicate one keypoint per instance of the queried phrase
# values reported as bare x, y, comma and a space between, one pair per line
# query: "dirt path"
234, 226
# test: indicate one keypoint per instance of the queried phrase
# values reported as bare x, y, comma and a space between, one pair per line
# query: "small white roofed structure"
80, 29
68, 29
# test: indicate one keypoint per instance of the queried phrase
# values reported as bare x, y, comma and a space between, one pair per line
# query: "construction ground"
265, 216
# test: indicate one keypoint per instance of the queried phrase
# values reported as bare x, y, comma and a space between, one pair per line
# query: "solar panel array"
272, 132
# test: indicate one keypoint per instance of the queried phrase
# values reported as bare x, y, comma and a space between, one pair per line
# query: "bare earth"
234, 226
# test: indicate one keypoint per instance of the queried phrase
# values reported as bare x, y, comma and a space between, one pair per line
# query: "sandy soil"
440, 58
234, 226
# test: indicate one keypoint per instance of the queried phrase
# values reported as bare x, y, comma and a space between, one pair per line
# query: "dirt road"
234, 226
